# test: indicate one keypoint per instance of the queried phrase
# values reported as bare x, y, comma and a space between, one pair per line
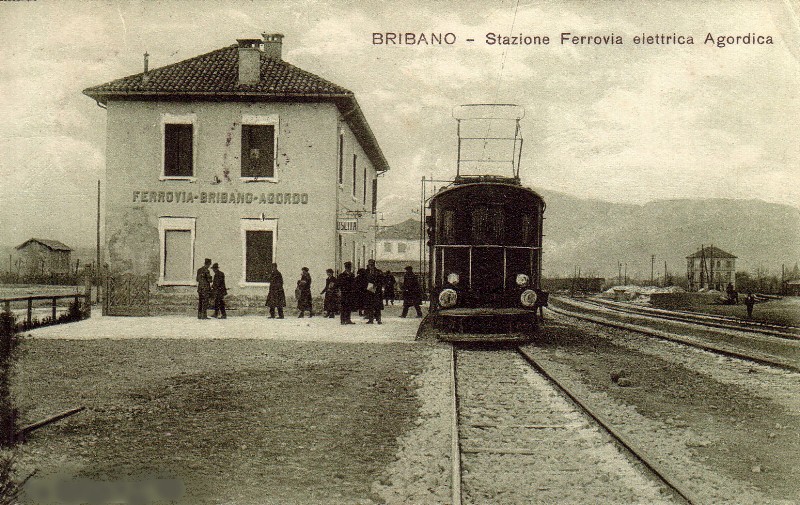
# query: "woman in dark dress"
331, 303
276, 298
304, 300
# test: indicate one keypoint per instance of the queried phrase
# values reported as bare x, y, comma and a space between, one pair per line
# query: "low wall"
683, 300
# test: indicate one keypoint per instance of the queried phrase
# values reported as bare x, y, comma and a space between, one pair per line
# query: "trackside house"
711, 268
241, 157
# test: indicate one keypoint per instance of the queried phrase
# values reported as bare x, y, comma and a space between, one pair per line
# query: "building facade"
41, 257
711, 268
240, 157
399, 245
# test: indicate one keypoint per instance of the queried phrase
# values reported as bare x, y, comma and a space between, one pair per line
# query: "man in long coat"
219, 290
276, 298
412, 292
345, 284
203, 289
374, 293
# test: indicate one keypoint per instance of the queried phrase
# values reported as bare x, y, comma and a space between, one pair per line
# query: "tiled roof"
217, 73
711, 252
407, 230
53, 245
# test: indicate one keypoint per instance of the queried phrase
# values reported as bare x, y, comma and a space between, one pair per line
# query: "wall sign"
348, 225
219, 197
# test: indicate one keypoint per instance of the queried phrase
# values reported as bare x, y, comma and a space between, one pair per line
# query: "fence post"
30, 312
54, 309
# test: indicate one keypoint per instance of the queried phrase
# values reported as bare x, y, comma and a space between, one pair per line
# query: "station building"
711, 268
241, 157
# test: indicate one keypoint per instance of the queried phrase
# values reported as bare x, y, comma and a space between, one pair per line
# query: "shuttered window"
374, 196
258, 255
178, 150
258, 150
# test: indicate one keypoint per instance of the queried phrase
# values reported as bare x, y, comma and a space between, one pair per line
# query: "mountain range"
596, 236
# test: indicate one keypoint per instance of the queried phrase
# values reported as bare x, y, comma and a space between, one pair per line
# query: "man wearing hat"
203, 289
219, 290
345, 285
412, 292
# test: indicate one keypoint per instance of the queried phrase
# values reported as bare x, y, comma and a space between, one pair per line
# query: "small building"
42, 257
711, 268
237, 156
398, 246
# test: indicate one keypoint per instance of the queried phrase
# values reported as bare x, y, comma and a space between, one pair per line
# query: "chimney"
273, 45
249, 61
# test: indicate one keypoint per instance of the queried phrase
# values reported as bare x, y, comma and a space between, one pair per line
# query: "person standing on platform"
330, 303
276, 298
304, 301
749, 302
203, 289
360, 292
388, 287
219, 290
412, 292
345, 283
374, 293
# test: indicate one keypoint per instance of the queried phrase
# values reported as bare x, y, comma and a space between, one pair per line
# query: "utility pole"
652, 268
626, 274
97, 258
665, 273
620, 272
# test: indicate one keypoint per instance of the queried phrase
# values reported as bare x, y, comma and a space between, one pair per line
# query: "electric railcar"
485, 250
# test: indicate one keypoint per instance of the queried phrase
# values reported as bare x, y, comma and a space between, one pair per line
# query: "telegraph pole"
665, 274
620, 272
97, 258
652, 268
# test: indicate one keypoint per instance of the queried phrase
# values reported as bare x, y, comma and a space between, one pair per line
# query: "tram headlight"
452, 278
522, 280
448, 298
528, 298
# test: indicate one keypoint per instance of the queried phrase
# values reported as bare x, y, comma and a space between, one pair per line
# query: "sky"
623, 123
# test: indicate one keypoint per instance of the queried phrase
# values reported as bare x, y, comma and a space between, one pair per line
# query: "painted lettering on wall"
219, 197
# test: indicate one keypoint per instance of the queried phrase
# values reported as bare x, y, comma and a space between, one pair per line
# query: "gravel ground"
237, 421
522, 442
422, 471
728, 429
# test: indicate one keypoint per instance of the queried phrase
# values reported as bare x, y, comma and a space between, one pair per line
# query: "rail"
54, 303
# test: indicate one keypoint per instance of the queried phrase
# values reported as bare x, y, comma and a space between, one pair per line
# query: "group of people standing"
209, 288
364, 292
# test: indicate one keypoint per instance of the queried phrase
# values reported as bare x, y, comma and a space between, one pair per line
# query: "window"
258, 247
178, 149
259, 145
258, 154
364, 180
341, 158
402, 247
374, 195
355, 159
387, 247
487, 224
176, 256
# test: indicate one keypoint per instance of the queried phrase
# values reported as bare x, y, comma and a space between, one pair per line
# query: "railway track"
724, 322
522, 436
767, 350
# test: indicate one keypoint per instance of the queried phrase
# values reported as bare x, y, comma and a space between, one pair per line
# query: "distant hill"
595, 235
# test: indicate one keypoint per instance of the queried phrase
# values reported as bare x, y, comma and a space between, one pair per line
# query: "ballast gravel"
522, 442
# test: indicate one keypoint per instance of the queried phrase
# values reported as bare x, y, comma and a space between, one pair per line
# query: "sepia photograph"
381, 252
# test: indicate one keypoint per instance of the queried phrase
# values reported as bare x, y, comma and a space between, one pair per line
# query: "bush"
9, 487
